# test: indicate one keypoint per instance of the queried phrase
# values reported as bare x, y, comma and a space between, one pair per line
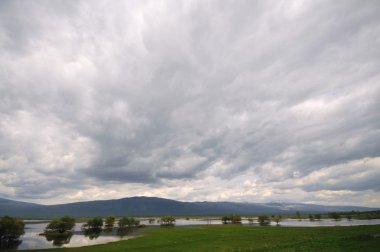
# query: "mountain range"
152, 206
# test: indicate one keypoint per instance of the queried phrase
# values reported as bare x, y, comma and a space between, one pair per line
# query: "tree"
109, 221
61, 225
10, 231
298, 215
311, 217
128, 222
263, 220
277, 218
317, 217
231, 219
335, 216
167, 221
94, 223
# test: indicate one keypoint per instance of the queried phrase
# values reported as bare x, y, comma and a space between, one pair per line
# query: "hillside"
151, 206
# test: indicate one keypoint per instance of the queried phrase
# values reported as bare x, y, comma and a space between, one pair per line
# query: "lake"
32, 239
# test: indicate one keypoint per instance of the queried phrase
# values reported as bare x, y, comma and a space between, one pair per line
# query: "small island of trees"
10, 231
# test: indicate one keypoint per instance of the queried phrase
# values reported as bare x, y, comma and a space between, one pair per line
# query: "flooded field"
32, 239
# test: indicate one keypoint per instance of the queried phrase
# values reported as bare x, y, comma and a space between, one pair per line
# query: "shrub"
263, 220
61, 225
167, 221
10, 231
94, 223
128, 222
231, 219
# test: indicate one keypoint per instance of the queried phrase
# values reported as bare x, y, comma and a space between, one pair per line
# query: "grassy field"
246, 238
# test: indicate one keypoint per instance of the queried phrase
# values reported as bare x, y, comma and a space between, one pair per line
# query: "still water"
32, 239
283, 223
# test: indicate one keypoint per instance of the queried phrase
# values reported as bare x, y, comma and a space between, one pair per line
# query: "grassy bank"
246, 238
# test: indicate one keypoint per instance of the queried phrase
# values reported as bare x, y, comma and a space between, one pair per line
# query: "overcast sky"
254, 101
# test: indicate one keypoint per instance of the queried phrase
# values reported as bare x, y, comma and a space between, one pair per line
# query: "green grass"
245, 238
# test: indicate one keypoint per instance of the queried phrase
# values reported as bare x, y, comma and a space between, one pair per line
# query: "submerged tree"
61, 225
234, 218
277, 218
93, 227
10, 231
128, 222
167, 221
335, 216
109, 221
58, 239
94, 223
263, 220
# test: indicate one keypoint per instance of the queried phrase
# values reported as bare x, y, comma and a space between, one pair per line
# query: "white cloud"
192, 100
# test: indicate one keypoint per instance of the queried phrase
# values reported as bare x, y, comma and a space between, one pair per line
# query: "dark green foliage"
109, 222
94, 223
317, 217
10, 231
335, 216
93, 228
167, 221
263, 220
60, 225
277, 218
128, 222
231, 219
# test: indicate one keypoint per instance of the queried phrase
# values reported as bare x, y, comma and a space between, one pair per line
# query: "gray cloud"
191, 100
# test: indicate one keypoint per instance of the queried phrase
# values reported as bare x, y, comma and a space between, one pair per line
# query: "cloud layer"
192, 100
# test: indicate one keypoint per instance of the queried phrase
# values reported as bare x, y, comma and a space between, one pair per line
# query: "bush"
231, 219
277, 218
10, 231
109, 222
61, 225
95, 223
263, 220
167, 221
335, 216
128, 222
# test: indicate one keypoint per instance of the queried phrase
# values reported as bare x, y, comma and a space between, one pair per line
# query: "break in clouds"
252, 101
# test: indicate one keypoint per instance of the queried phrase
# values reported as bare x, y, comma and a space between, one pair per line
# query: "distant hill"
151, 206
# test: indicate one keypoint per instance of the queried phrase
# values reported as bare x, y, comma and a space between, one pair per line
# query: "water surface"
32, 239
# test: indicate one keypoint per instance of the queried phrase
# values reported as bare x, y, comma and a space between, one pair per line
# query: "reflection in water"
108, 230
125, 231
92, 233
31, 239
58, 239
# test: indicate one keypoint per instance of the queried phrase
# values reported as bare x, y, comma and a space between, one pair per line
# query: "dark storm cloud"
171, 96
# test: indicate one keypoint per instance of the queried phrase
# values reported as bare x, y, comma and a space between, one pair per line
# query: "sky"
246, 101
